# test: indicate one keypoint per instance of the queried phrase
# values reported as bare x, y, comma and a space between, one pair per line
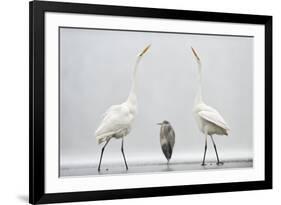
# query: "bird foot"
220, 163
203, 164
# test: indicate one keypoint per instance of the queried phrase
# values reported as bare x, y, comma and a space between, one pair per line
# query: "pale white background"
167, 85
14, 101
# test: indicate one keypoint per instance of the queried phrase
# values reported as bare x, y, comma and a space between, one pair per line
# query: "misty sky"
95, 73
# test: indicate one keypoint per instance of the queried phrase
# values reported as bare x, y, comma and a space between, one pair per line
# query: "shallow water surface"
150, 167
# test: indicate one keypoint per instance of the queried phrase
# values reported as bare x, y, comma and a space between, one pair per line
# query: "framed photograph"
130, 102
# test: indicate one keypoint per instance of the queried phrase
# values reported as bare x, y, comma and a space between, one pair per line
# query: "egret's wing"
113, 108
214, 117
113, 111
117, 117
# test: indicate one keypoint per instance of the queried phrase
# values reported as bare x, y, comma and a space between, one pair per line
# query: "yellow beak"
144, 50
195, 54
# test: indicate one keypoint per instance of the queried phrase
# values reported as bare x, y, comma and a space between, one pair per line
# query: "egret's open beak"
144, 50
195, 54
160, 123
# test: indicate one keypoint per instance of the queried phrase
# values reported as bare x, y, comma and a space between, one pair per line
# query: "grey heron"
167, 139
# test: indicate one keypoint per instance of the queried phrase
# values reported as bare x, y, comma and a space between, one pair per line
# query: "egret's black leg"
218, 160
102, 150
122, 150
203, 162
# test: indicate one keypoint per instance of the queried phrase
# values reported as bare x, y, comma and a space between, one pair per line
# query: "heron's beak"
195, 54
160, 123
144, 50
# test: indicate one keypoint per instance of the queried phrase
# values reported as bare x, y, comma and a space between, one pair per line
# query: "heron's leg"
122, 150
218, 160
102, 150
205, 149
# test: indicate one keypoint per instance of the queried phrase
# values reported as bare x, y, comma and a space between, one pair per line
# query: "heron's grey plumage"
167, 139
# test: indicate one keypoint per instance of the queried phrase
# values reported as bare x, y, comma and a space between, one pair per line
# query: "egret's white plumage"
118, 119
209, 120
116, 123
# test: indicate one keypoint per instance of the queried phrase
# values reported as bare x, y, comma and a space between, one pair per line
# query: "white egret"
209, 120
118, 119
167, 139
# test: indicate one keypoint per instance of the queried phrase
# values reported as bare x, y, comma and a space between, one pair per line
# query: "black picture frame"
37, 9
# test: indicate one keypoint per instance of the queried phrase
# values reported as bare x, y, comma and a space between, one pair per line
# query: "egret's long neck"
198, 98
132, 98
